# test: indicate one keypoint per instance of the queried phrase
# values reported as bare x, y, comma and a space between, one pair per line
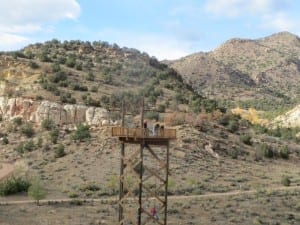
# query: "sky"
165, 29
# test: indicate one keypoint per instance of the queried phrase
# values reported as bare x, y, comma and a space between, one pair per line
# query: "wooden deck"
139, 134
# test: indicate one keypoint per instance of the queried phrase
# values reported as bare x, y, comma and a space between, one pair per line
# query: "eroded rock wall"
34, 111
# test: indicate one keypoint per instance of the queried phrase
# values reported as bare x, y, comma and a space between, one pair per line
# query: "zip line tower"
144, 171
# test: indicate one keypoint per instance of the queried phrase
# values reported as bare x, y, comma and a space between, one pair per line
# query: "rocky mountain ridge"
264, 71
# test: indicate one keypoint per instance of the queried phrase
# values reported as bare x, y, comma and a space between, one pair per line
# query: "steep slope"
97, 74
265, 70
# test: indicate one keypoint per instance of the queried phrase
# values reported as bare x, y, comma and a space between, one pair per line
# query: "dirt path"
172, 197
6, 169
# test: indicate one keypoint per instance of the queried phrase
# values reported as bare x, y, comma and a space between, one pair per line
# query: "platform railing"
143, 133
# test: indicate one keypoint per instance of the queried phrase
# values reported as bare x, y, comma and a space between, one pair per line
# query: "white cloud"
11, 42
234, 8
161, 46
18, 12
18, 18
270, 14
278, 21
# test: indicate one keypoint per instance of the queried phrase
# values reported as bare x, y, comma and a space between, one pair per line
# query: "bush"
234, 153
78, 66
18, 121
48, 124
37, 191
29, 146
266, 151
14, 185
56, 68
78, 87
246, 139
33, 65
161, 108
40, 142
58, 76
233, 126
60, 151
90, 76
54, 133
5, 140
20, 148
39, 98
284, 152
27, 130
70, 62
66, 98
82, 133
286, 181
152, 116
94, 89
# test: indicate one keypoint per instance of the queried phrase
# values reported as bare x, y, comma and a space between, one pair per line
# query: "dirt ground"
257, 207
6, 168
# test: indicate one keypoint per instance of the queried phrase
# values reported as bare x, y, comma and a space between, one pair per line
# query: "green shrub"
55, 67
246, 139
152, 116
266, 150
78, 66
94, 89
20, 148
40, 142
14, 185
60, 151
233, 126
82, 133
90, 76
70, 62
161, 108
39, 98
90, 187
33, 65
259, 129
73, 195
27, 130
58, 76
284, 152
286, 181
92, 102
54, 133
18, 121
234, 153
48, 124
29, 146
5, 140
37, 191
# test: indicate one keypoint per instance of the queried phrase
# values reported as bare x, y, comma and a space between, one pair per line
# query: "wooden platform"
137, 135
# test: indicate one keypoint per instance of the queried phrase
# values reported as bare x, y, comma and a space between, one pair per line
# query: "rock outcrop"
289, 119
35, 111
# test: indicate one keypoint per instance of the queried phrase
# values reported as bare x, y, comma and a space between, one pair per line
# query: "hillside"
262, 73
55, 97
97, 74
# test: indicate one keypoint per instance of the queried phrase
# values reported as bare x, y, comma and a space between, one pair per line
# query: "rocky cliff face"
34, 111
289, 119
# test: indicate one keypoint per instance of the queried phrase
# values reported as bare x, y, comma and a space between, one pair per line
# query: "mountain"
92, 74
55, 97
263, 73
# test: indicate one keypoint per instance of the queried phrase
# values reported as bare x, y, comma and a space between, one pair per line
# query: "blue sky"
166, 29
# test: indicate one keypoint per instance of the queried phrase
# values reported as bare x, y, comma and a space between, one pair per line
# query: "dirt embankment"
6, 169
